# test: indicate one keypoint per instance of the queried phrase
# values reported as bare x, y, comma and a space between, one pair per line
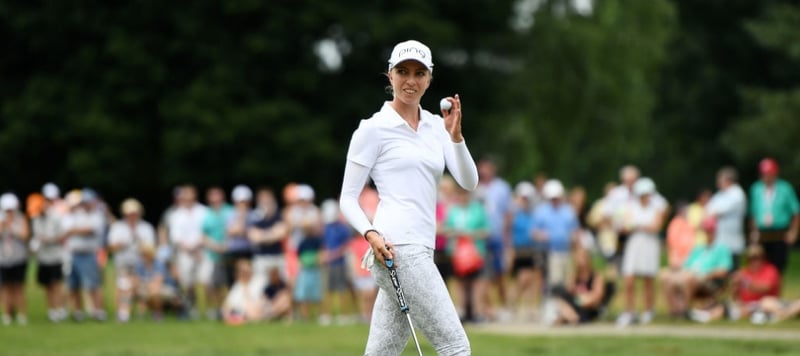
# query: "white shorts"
194, 268
559, 266
262, 264
641, 257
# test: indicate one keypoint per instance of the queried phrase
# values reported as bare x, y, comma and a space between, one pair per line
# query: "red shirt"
767, 274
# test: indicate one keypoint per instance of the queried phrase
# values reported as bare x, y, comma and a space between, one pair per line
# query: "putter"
402, 300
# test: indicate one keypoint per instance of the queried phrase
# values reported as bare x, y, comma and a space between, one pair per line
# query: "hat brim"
428, 67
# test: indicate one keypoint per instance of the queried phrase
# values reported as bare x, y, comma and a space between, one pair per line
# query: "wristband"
368, 231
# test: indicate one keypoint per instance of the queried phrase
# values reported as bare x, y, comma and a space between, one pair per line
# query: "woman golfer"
404, 149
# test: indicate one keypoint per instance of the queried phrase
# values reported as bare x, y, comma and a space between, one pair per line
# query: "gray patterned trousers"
431, 308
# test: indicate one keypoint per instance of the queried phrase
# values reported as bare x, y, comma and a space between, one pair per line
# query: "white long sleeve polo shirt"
406, 166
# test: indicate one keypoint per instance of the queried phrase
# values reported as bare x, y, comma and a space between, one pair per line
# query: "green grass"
173, 337
205, 338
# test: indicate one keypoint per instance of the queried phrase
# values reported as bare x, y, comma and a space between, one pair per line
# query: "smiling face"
409, 79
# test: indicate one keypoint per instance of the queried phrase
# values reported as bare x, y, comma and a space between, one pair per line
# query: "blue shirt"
558, 223
147, 273
497, 202
521, 230
336, 235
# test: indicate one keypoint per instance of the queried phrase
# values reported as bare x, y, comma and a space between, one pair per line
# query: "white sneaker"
22, 319
734, 312
646, 317
759, 318
700, 316
625, 319
7, 320
325, 320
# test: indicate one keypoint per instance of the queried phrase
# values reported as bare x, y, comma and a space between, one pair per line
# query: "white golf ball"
445, 104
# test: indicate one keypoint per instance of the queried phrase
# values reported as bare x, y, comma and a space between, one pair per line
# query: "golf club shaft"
401, 299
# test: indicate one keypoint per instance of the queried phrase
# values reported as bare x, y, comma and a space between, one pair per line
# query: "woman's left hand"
452, 119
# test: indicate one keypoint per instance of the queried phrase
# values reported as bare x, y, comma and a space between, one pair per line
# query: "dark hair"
729, 173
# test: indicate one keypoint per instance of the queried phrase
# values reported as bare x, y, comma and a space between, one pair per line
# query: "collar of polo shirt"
390, 117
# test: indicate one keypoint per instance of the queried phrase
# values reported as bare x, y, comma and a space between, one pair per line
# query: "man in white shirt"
83, 229
186, 236
729, 206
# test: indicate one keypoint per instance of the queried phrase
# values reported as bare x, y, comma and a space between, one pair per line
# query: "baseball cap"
553, 189
241, 193
9, 201
525, 189
710, 224
411, 50
644, 186
768, 166
305, 192
50, 191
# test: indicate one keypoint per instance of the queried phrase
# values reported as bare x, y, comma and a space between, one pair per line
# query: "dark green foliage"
133, 97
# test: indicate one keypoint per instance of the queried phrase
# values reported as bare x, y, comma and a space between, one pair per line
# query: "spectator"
728, 206
195, 267
303, 220
83, 229
238, 246
443, 261
696, 213
530, 256
467, 219
363, 281
495, 193
538, 182
772, 309
153, 284
14, 236
774, 214
164, 251
555, 224
267, 232
308, 288
616, 204
278, 297
217, 216
577, 200
48, 244
750, 285
645, 218
245, 301
335, 241
681, 239
703, 275
126, 239
582, 295
607, 238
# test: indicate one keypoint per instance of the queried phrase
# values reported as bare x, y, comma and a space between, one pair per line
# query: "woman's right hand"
381, 248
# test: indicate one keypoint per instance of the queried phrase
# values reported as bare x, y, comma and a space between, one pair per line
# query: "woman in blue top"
529, 255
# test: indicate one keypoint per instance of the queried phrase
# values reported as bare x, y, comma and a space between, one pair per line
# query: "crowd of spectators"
527, 254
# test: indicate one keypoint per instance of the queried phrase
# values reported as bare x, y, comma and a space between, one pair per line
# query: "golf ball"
445, 104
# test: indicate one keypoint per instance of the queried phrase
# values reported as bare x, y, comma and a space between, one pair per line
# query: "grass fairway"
173, 337
205, 338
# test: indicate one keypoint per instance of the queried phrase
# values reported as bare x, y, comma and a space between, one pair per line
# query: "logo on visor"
410, 50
